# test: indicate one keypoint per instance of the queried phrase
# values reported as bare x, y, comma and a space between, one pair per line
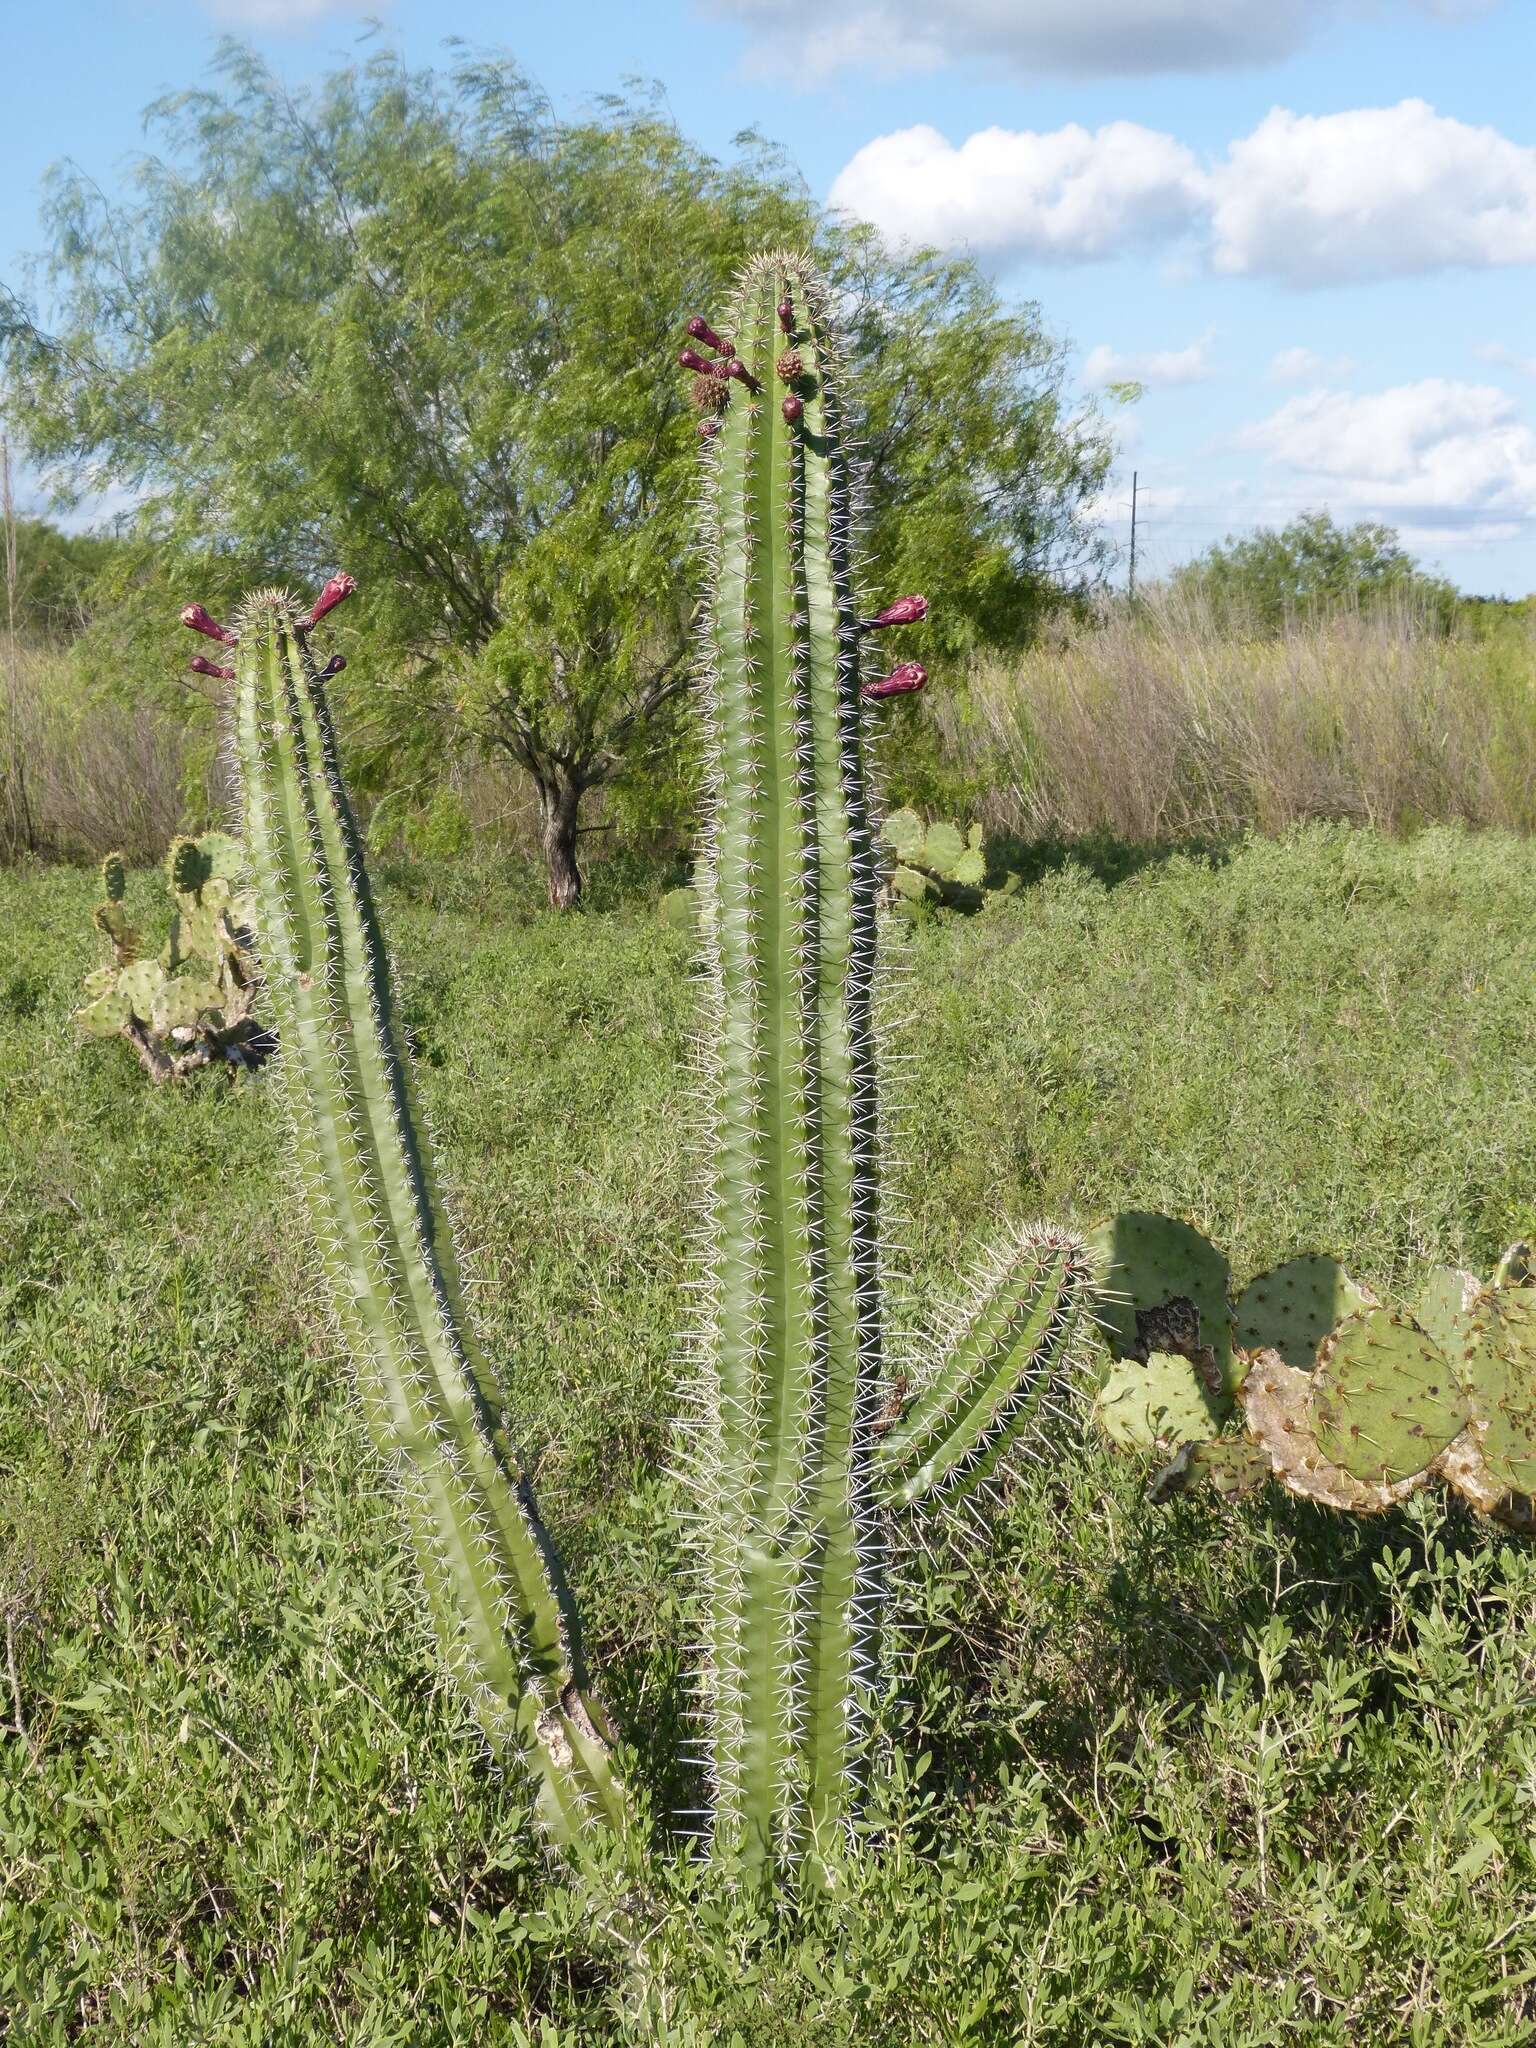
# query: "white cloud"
1155, 368
1506, 358
1309, 199
275, 14
1068, 196
1441, 460
1306, 366
1082, 37
1376, 192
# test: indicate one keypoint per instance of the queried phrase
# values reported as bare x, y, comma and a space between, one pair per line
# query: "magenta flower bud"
901, 682
690, 359
709, 428
333, 667
194, 616
792, 408
738, 369
702, 331
786, 315
336, 589
200, 665
906, 611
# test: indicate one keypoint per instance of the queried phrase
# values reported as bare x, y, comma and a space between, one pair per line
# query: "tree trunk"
559, 808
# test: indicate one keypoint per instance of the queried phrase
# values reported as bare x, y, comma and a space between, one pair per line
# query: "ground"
1181, 1774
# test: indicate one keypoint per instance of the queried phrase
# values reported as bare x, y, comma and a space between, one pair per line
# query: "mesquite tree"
814, 1453
452, 301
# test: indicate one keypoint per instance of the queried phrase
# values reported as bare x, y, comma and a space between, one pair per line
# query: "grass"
1174, 1775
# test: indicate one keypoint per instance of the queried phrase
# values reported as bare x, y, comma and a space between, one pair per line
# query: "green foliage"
240, 1812
1270, 579
457, 302
59, 578
190, 1007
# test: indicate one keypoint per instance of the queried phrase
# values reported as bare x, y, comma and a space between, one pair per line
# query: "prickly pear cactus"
934, 863
1385, 1402
1292, 1309
190, 1007
1166, 1290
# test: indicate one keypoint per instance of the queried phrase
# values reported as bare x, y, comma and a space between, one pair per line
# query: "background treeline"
415, 325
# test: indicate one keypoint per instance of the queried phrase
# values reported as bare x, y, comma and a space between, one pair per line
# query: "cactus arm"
385, 1247
1012, 1355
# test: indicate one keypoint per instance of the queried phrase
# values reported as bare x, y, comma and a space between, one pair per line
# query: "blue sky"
1306, 227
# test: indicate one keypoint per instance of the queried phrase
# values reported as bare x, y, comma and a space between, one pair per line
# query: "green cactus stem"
387, 1254
113, 878
803, 1449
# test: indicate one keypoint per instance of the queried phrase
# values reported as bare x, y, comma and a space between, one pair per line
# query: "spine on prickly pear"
791, 1366
385, 1245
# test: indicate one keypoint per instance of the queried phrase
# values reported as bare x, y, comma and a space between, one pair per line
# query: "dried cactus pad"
1499, 1376
1150, 1261
1276, 1400
1162, 1402
1385, 1401
1292, 1309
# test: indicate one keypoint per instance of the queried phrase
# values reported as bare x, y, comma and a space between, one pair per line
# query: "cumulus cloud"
1069, 196
1437, 458
1308, 199
1376, 192
1077, 37
1306, 366
1155, 368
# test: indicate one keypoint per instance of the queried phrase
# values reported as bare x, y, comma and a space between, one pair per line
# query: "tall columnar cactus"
814, 1459
388, 1256
797, 1488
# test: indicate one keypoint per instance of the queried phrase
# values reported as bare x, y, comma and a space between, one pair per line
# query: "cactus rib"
387, 1254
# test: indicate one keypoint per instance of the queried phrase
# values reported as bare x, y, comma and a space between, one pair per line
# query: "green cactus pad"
106, 1016
943, 849
904, 830
1292, 1309
1276, 1401
1498, 1373
186, 867
196, 934
140, 987
1231, 1466
223, 856
113, 878
970, 870
911, 885
101, 981
111, 920
1385, 1402
1443, 1310
1151, 1261
1140, 1407
186, 1000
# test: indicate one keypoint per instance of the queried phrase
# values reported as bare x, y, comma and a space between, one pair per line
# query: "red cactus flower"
194, 616
738, 369
690, 359
702, 331
333, 667
906, 611
708, 429
901, 682
336, 589
200, 665
786, 315
792, 408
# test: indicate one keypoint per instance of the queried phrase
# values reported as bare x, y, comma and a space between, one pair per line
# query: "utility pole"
1131, 583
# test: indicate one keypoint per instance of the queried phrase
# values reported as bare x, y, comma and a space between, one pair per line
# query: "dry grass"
81, 773
1160, 726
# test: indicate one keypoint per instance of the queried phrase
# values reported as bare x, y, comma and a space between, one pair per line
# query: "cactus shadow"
1109, 860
